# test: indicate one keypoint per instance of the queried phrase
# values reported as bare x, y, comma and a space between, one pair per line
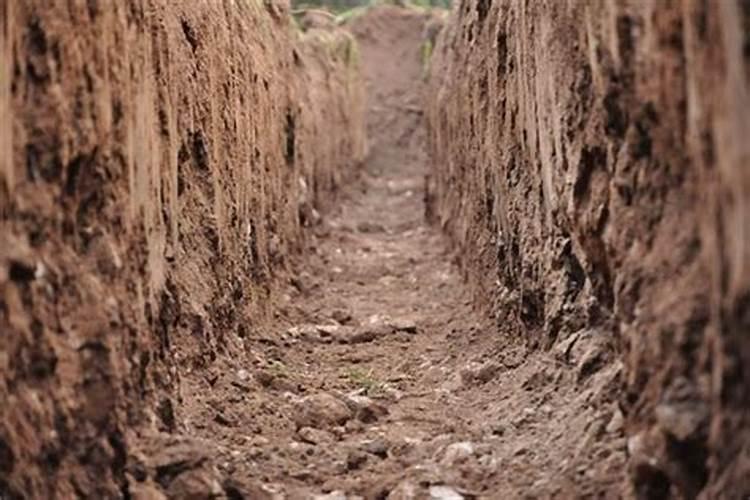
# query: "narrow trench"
380, 377
531, 284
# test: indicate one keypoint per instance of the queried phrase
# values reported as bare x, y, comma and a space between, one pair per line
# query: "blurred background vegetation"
339, 6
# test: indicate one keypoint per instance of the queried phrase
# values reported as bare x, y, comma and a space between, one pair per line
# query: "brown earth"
591, 167
203, 296
162, 158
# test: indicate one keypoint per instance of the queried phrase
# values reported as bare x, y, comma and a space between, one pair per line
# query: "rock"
196, 484
243, 375
444, 493
562, 348
362, 334
315, 436
457, 452
378, 447
365, 409
405, 490
320, 410
681, 420
474, 373
334, 495
342, 316
590, 353
145, 491
403, 325
314, 333
616, 423
370, 227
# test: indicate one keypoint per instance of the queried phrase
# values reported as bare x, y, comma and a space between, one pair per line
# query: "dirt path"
379, 380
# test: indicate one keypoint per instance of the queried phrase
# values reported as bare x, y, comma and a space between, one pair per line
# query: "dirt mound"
160, 160
588, 162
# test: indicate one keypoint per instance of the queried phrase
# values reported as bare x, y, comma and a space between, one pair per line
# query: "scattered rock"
334, 495
403, 325
590, 353
681, 420
363, 334
314, 333
321, 410
444, 493
365, 409
377, 447
315, 436
478, 373
370, 227
616, 423
405, 490
342, 316
198, 484
457, 452
145, 491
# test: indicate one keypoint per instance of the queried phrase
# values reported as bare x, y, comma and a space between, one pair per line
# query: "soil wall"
158, 161
591, 164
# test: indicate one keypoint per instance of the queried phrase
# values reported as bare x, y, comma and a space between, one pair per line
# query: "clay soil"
379, 379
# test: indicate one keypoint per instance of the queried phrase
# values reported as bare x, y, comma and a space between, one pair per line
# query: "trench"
418, 257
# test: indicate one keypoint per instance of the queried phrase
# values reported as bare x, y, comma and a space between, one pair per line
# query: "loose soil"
379, 379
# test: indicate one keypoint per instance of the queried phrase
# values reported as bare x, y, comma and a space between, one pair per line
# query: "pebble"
403, 325
377, 447
681, 420
321, 410
365, 409
444, 493
334, 495
457, 452
616, 423
315, 436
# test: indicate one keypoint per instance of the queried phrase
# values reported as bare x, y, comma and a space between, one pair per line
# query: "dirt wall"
159, 160
590, 163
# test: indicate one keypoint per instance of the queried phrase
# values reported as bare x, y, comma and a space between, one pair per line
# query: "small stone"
681, 420
377, 447
616, 423
315, 436
145, 491
403, 325
478, 373
365, 409
334, 495
370, 227
457, 452
362, 334
444, 493
320, 410
243, 375
342, 316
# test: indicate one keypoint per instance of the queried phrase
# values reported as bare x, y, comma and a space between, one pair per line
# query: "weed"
365, 381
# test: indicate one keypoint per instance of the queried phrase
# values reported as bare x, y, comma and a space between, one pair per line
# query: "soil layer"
590, 165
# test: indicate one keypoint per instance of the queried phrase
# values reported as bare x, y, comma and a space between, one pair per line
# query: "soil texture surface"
379, 379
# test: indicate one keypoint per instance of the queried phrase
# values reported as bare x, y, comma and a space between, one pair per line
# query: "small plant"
364, 380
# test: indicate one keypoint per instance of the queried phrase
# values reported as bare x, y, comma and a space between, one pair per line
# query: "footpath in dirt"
380, 380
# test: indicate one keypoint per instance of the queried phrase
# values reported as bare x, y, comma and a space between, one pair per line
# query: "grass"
364, 380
